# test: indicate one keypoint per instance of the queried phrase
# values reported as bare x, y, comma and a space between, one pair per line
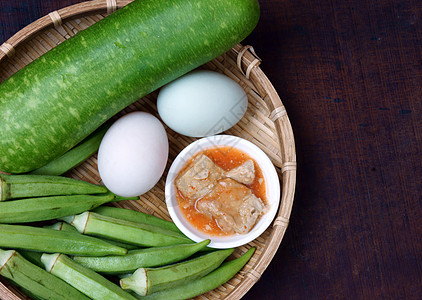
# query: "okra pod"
209, 282
35, 281
32, 256
122, 245
134, 259
29, 186
85, 280
121, 198
74, 156
125, 231
146, 281
62, 226
67, 227
135, 216
48, 208
49, 240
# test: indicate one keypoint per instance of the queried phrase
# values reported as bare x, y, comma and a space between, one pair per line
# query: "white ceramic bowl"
272, 190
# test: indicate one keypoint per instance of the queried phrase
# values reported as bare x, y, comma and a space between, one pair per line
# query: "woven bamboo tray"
265, 123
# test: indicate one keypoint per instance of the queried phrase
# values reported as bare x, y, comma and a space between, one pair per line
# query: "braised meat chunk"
233, 205
199, 178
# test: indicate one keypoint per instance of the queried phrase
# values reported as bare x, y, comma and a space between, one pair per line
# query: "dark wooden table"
350, 76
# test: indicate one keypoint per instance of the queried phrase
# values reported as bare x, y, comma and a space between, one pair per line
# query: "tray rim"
248, 63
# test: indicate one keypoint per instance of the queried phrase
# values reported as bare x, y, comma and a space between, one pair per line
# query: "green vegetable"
125, 231
32, 256
24, 186
121, 198
135, 216
85, 280
52, 104
66, 227
134, 259
74, 156
47, 208
35, 281
56, 226
122, 245
146, 281
209, 282
35, 257
49, 240
62, 226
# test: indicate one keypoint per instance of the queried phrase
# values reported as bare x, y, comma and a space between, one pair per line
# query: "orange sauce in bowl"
227, 158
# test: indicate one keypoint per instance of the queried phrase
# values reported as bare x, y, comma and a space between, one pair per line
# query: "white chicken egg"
133, 154
202, 103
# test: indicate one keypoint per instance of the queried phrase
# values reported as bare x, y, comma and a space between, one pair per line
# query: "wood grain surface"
350, 76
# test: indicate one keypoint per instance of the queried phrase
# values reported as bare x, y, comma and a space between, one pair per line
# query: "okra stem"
35, 281
125, 231
134, 259
29, 186
49, 240
209, 282
74, 156
85, 280
146, 281
48, 208
135, 216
